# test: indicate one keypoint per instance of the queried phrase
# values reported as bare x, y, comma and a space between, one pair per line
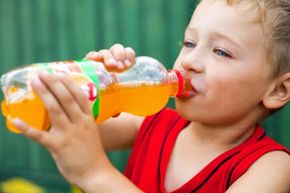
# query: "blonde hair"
274, 15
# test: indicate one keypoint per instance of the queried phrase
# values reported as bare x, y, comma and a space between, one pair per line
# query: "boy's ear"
279, 93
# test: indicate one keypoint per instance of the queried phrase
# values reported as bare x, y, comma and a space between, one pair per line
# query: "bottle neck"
176, 83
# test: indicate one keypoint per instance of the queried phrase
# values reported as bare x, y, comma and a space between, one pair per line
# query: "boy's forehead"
221, 19
249, 8
219, 12
223, 13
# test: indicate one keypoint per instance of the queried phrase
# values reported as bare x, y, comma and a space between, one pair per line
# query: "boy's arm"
269, 174
73, 139
119, 133
107, 181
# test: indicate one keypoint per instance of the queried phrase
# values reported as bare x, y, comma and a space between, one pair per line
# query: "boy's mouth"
188, 91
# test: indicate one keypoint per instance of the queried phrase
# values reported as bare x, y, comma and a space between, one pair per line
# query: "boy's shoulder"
260, 166
274, 159
270, 173
252, 150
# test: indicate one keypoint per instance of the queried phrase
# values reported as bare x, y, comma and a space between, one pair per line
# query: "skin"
231, 78
230, 74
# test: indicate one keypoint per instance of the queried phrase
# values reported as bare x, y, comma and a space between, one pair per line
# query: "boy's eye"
222, 53
188, 44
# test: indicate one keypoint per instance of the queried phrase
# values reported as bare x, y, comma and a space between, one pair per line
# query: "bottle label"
62, 66
89, 70
85, 67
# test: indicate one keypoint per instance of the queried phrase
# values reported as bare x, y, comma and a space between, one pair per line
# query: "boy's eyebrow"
216, 34
223, 36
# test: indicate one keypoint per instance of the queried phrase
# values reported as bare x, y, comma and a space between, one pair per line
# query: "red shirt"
153, 146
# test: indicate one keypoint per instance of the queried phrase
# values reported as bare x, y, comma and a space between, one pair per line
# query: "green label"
89, 70
83, 66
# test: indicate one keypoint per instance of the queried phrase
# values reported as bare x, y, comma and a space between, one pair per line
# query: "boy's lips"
188, 91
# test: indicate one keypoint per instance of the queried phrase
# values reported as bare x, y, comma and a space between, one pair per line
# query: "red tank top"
152, 149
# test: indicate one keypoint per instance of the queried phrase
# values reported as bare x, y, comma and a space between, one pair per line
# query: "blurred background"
53, 30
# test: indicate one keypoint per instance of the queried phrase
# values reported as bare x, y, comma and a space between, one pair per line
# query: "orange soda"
143, 89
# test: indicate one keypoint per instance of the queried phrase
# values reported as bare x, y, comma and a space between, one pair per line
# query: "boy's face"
224, 57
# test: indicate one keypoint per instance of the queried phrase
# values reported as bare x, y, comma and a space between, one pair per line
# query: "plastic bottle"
143, 89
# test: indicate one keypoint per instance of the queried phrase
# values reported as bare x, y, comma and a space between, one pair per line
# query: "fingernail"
96, 55
43, 73
112, 62
90, 54
120, 65
36, 82
17, 122
127, 63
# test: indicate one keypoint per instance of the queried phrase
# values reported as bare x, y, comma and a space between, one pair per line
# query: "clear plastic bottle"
143, 89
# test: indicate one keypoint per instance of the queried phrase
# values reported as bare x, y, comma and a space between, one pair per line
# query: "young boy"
236, 55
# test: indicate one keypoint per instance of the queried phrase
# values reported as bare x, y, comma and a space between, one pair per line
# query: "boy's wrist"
106, 180
94, 180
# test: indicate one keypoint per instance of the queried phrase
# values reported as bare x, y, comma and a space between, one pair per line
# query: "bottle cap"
180, 82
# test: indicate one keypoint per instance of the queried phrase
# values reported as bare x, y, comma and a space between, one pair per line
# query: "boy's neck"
227, 135
223, 136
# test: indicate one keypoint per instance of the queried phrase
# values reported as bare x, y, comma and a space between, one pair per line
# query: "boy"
236, 55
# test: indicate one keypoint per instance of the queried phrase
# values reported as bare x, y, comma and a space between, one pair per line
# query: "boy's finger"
93, 55
131, 56
56, 113
119, 52
39, 136
78, 94
64, 103
108, 58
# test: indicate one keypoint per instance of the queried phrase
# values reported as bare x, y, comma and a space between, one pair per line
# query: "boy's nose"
192, 62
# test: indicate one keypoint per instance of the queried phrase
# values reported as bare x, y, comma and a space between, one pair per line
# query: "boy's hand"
117, 57
73, 138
